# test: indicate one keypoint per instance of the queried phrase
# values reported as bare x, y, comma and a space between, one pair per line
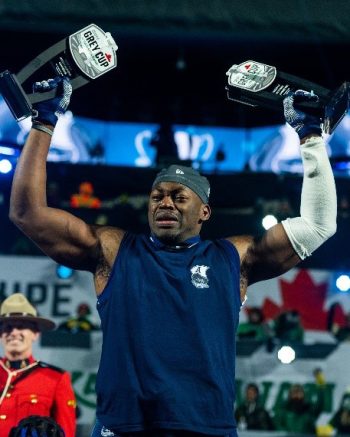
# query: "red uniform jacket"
36, 389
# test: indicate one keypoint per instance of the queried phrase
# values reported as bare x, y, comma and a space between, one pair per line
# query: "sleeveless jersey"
169, 320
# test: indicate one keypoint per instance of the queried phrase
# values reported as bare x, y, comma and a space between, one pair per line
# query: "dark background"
172, 60
173, 56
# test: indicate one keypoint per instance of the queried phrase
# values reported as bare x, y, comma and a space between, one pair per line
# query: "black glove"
48, 111
304, 124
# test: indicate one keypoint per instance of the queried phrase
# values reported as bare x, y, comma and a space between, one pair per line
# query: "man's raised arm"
285, 244
62, 236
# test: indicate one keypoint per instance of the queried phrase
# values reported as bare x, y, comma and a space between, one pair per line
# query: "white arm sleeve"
318, 208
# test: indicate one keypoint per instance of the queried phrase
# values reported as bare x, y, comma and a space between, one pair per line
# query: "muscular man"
169, 302
28, 386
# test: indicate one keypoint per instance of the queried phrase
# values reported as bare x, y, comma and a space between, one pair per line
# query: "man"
298, 415
28, 386
287, 327
254, 328
79, 323
251, 414
341, 418
169, 303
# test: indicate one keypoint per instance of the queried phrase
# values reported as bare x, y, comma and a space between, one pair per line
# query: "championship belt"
255, 84
82, 57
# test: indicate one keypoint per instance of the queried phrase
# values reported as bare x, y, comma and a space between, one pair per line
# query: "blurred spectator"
297, 414
341, 419
319, 376
81, 322
85, 197
254, 328
284, 209
287, 327
23, 246
342, 333
251, 414
53, 194
343, 206
163, 141
102, 220
280, 208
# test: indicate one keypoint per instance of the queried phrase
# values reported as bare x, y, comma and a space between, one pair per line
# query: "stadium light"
64, 272
286, 354
343, 283
268, 221
5, 166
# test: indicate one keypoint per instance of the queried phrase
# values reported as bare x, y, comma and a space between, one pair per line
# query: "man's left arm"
65, 406
284, 245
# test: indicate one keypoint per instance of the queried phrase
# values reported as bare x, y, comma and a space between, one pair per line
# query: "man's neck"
171, 244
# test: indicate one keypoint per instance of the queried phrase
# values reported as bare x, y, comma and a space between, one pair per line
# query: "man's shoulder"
109, 233
110, 239
44, 365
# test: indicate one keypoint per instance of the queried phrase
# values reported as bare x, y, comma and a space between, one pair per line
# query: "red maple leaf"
108, 57
306, 297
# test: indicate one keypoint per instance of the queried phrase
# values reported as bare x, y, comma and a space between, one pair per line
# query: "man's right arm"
62, 236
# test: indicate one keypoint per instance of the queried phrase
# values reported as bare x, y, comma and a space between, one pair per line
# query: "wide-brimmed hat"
17, 308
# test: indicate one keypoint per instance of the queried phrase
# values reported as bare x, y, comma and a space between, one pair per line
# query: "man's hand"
48, 112
304, 124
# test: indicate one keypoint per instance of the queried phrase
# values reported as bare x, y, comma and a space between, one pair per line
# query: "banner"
311, 292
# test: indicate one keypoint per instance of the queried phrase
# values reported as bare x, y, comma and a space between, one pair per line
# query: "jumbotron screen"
211, 148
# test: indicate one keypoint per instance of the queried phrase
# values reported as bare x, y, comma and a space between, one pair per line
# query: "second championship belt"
255, 84
82, 57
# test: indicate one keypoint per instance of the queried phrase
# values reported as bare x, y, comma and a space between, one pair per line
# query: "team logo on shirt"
199, 276
105, 432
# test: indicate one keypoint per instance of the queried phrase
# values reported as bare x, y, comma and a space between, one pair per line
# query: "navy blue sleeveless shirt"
169, 320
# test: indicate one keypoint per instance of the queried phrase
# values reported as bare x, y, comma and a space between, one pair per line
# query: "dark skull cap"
186, 176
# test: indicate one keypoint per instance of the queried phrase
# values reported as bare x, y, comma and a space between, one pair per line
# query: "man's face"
175, 213
17, 339
297, 393
251, 394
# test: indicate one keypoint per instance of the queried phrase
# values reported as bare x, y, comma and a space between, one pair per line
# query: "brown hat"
17, 308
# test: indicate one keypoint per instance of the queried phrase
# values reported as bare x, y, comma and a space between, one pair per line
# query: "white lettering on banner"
36, 278
40, 293
275, 378
84, 388
194, 147
189, 147
143, 160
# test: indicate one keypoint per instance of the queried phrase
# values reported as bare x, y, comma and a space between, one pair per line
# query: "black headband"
186, 176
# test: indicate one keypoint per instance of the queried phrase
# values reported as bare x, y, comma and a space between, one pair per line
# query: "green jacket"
301, 420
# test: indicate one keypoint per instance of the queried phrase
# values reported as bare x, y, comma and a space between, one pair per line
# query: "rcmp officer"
28, 386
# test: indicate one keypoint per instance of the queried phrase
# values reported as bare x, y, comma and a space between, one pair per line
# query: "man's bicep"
270, 255
64, 237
